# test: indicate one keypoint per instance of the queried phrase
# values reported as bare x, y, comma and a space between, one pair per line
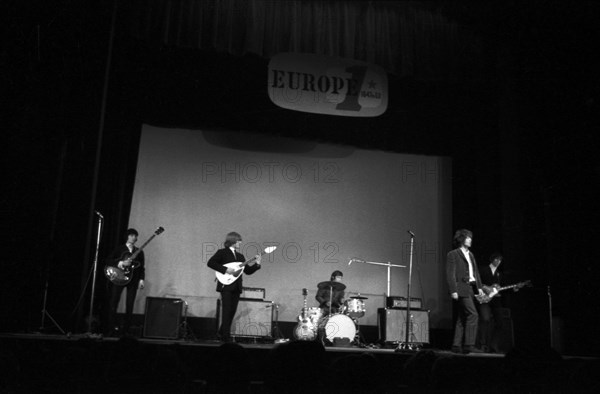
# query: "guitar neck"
510, 287
139, 250
251, 260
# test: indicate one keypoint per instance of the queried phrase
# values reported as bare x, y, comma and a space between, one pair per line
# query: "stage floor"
91, 363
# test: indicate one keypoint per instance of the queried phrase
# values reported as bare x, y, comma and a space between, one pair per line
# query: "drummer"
327, 302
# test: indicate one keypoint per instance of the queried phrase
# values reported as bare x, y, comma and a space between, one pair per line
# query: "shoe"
471, 349
456, 349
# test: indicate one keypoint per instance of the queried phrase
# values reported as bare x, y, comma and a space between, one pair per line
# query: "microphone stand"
98, 235
406, 345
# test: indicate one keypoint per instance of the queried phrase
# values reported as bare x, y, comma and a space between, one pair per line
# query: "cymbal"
335, 285
360, 298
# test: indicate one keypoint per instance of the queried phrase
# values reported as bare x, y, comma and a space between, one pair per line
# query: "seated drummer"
324, 296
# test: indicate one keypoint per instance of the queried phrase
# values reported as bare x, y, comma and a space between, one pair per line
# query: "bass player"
230, 294
119, 258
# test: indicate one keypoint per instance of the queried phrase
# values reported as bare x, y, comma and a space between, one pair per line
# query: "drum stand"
359, 339
277, 335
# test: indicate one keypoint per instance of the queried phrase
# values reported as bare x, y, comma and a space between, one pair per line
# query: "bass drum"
339, 326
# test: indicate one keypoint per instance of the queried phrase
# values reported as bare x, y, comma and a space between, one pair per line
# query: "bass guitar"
228, 279
122, 276
305, 330
494, 290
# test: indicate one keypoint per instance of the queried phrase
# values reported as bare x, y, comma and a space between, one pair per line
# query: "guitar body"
228, 279
489, 289
305, 331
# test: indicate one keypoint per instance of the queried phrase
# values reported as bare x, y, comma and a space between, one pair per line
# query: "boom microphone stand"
406, 345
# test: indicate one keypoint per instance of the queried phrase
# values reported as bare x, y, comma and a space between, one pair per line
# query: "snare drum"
339, 326
354, 308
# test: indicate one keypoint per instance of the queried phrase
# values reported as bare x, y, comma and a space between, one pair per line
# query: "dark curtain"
405, 38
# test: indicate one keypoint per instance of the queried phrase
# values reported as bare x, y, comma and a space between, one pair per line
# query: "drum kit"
342, 324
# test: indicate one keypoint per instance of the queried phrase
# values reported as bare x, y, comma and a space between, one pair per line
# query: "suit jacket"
487, 278
224, 256
122, 252
457, 273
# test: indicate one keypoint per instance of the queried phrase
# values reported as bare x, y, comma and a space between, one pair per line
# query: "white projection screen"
320, 204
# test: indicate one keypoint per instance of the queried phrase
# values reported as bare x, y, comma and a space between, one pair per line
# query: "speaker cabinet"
162, 317
392, 325
253, 318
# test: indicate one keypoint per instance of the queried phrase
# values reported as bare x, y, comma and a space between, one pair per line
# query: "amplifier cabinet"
162, 317
392, 325
253, 318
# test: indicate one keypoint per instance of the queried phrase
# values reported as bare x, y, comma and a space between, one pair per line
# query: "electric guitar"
228, 279
494, 290
305, 330
122, 277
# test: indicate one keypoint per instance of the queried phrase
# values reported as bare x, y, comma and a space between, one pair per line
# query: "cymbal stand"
406, 345
185, 332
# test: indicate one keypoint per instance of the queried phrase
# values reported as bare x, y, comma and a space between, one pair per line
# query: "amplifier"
253, 293
392, 325
162, 317
400, 302
254, 318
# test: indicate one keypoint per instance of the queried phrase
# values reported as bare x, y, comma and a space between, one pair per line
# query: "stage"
92, 363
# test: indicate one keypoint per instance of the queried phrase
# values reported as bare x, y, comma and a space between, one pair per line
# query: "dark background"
519, 122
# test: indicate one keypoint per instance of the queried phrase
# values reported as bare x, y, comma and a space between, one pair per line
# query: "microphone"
411, 233
99, 214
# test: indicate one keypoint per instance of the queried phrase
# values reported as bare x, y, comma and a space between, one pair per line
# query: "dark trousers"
465, 329
115, 296
490, 323
229, 304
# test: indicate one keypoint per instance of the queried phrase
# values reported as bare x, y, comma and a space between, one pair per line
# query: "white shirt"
493, 268
130, 247
233, 251
468, 257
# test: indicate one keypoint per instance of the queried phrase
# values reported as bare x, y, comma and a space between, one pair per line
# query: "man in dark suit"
230, 294
119, 258
490, 275
463, 277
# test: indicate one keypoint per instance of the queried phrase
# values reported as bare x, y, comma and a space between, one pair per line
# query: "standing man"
230, 294
489, 330
119, 258
463, 280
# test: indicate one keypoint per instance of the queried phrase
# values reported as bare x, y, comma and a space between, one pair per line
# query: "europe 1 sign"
327, 85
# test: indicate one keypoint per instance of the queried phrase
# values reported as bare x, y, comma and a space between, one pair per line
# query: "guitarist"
118, 258
491, 275
230, 294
